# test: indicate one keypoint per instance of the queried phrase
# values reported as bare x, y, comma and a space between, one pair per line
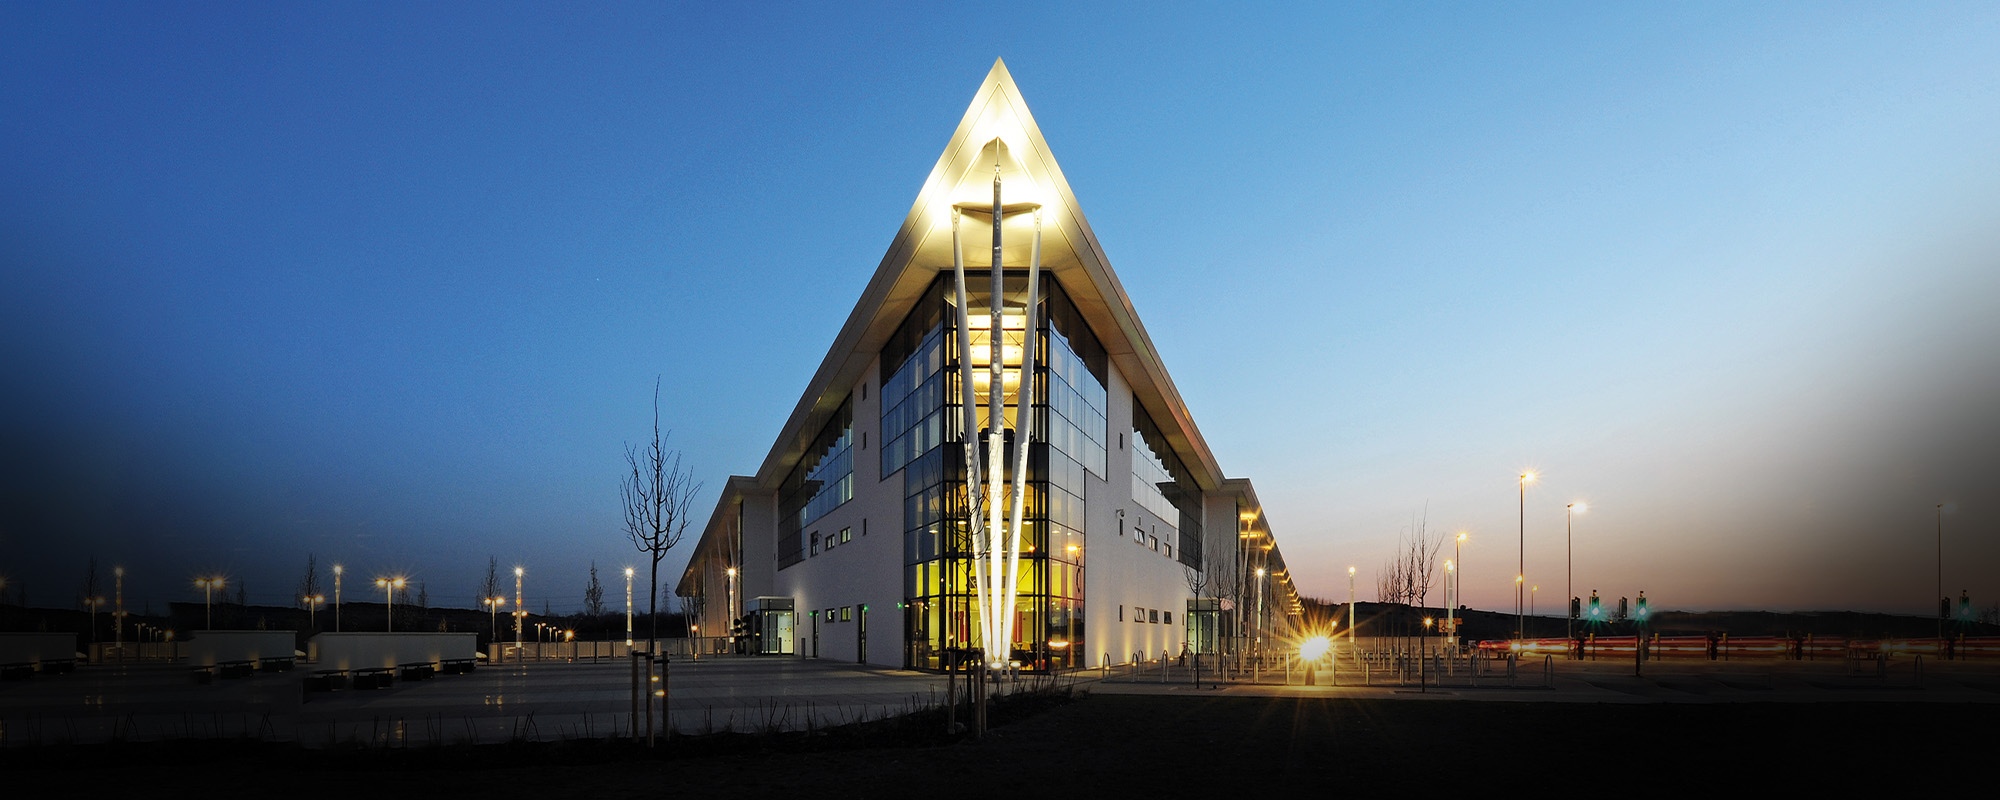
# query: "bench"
373, 678
17, 671
275, 664
231, 670
58, 666
326, 680
416, 671
204, 675
458, 666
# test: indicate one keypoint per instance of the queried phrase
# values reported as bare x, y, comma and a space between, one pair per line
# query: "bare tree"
593, 594
1198, 579
694, 606
1227, 581
309, 585
659, 503
90, 585
489, 587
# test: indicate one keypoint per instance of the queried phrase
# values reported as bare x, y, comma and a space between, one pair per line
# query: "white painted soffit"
963, 176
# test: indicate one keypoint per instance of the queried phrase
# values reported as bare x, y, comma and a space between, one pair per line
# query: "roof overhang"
996, 131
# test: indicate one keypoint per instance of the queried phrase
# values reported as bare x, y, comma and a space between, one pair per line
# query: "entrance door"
861, 644
815, 633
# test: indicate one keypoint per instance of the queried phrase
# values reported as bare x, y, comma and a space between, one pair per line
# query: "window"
815, 544
846, 535
821, 481
1139, 613
1170, 617
1153, 615
846, 613
1121, 609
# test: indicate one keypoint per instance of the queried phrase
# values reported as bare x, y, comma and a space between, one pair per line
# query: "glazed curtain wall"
822, 481
1162, 483
922, 416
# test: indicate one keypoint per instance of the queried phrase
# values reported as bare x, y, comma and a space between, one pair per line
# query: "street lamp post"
628, 608
1459, 590
1350, 609
732, 607
1451, 611
1521, 572
208, 586
94, 603
519, 609
336, 598
1257, 646
312, 609
1569, 578
389, 587
118, 615
1940, 570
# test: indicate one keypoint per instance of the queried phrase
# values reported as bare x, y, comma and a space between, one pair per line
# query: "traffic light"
1596, 606
1642, 606
1623, 609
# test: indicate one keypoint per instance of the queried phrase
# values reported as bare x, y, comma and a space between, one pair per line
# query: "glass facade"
822, 481
1162, 484
922, 416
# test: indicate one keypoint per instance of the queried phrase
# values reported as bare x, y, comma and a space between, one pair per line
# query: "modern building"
854, 539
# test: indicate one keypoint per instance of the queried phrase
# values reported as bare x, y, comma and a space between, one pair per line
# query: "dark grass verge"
919, 729
1178, 746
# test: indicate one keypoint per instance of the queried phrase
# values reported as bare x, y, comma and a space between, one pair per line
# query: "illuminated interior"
921, 423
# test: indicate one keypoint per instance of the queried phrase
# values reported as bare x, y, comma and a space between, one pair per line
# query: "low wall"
112, 653
560, 651
34, 648
207, 648
365, 650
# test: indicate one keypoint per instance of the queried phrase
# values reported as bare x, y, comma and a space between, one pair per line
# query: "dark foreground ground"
1169, 746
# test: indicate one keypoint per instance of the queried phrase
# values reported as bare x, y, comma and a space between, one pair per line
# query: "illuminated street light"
628, 608
389, 587
312, 609
732, 607
1258, 644
336, 598
1522, 568
1350, 610
519, 609
208, 586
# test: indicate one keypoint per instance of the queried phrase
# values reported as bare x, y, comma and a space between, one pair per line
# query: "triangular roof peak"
996, 127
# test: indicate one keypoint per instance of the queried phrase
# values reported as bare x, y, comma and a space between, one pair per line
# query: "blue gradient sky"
391, 284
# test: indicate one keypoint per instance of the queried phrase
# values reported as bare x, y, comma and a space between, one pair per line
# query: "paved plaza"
556, 700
